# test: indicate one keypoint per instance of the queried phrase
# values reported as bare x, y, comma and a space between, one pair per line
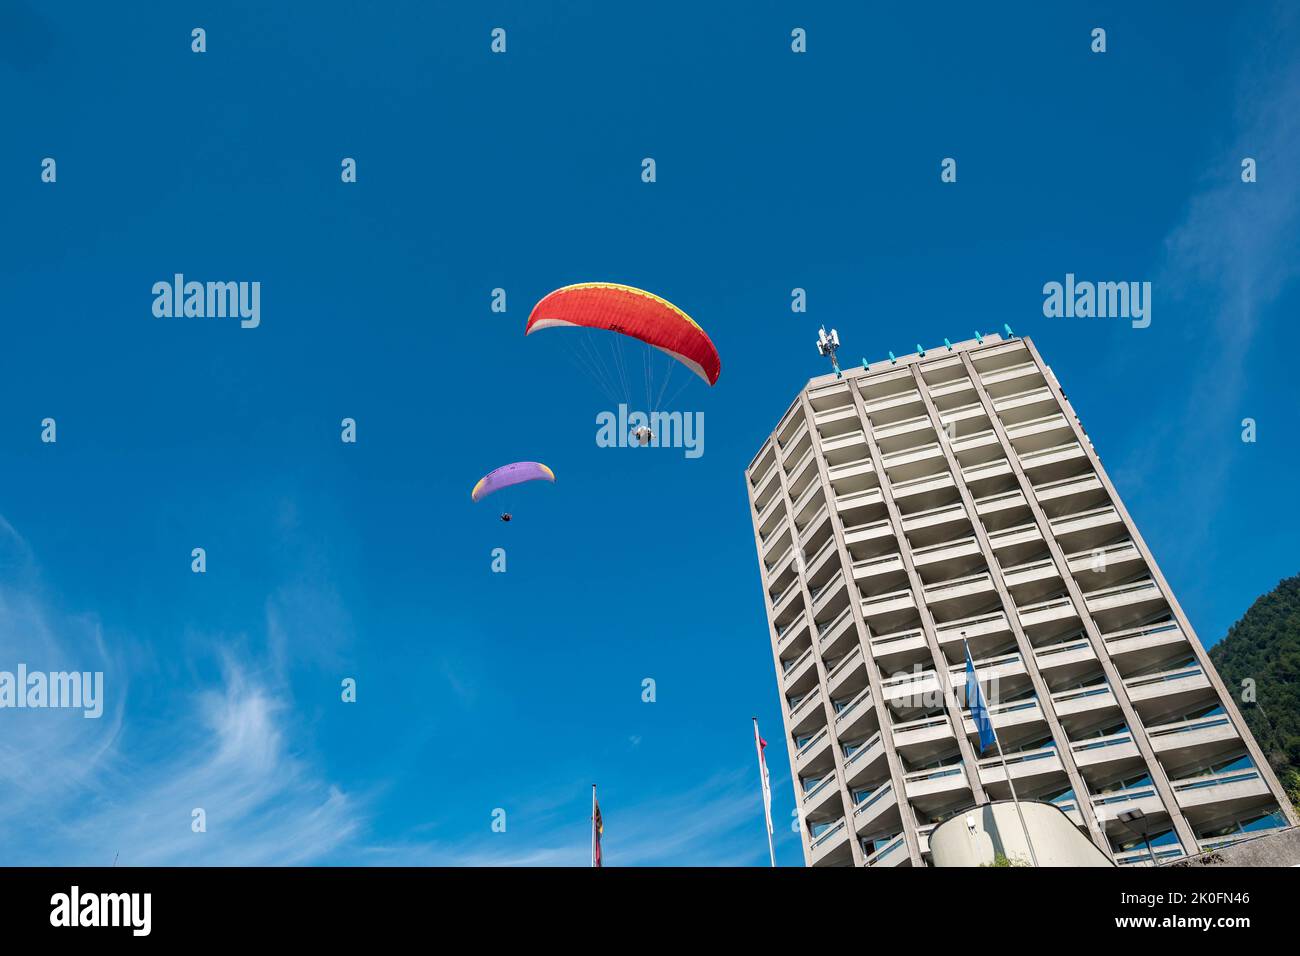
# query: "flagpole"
593, 826
765, 789
1033, 857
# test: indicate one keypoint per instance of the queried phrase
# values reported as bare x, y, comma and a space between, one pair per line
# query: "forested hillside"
1265, 646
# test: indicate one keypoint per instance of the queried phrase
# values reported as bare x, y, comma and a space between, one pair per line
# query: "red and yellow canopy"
634, 312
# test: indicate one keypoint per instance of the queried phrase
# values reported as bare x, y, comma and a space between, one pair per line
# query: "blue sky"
479, 691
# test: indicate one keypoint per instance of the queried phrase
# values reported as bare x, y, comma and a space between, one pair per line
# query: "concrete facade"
954, 494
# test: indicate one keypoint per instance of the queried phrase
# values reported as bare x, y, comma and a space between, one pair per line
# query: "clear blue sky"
517, 691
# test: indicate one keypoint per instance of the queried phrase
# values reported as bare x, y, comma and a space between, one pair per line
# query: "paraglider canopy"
634, 312
513, 474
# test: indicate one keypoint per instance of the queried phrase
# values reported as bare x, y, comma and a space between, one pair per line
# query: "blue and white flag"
979, 711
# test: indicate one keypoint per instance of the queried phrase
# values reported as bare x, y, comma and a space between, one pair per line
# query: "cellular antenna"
827, 345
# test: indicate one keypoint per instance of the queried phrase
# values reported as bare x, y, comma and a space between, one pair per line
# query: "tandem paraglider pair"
632, 313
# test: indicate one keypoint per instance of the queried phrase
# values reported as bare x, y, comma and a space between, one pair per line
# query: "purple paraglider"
512, 474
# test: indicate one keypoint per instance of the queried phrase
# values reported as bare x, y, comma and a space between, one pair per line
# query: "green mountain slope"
1264, 646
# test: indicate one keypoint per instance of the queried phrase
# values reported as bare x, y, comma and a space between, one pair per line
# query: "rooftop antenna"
827, 344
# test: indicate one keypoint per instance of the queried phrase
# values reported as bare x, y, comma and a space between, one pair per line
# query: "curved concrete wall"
973, 838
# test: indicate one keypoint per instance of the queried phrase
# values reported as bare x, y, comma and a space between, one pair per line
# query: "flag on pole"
764, 777
761, 745
597, 828
979, 711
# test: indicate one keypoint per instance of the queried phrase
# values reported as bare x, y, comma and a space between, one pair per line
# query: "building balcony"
1035, 434
919, 494
1144, 856
924, 740
880, 570
784, 603
911, 693
1072, 657
857, 717
914, 462
813, 495
990, 624
869, 532
817, 563
1071, 495
792, 633
1138, 648
815, 755
1219, 842
960, 597
1053, 464
867, 761
824, 594
1004, 669
1105, 566
1201, 739
1226, 794
837, 419
842, 449
849, 675
800, 674
893, 853
812, 524
793, 446
946, 557
1033, 768
1124, 605
977, 448
934, 525
809, 714
899, 648
852, 475
782, 566
953, 394
760, 469
1002, 510
868, 498
978, 477
1025, 405
929, 790
1016, 544
836, 634
1109, 806
903, 433
1012, 380
1042, 614
768, 496
877, 810
968, 418
1177, 689
822, 799
1092, 700
1087, 530
886, 408
884, 612
775, 540
1020, 717
1111, 753
831, 846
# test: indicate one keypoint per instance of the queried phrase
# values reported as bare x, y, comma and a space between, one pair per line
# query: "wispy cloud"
1225, 263
78, 791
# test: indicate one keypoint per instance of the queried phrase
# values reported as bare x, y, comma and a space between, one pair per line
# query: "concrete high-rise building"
954, 493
